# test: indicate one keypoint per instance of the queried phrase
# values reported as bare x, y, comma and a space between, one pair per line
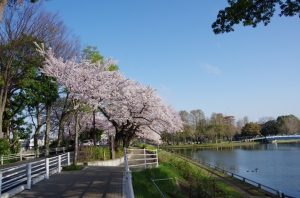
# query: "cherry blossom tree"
136, 110
133, 109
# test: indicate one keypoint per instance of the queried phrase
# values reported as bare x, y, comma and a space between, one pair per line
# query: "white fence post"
156, 158
47, 168
125, 160
55, 150
63, 149
130, 193
59, 163
37, 153
145, 158
28, 176
0, 183
128, 178
1, 160
21, 154
68, 158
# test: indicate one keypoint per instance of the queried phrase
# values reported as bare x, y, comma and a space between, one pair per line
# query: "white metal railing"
143, 158
30, 153
30, 173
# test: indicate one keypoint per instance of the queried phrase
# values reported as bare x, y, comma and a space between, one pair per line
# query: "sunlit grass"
172, 167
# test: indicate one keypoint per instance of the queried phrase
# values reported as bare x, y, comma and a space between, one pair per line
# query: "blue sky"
170, 45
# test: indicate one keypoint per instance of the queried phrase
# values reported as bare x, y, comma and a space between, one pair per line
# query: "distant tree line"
200, 129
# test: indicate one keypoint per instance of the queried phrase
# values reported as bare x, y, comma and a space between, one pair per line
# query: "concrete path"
90, 182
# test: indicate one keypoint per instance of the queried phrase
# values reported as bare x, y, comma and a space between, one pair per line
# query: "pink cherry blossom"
133, 109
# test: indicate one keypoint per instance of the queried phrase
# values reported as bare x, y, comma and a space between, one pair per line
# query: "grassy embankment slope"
204, 180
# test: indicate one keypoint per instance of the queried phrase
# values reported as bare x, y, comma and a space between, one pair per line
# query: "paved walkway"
91, 182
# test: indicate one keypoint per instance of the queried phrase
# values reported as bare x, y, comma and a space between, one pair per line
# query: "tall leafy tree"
289, 124
32, 21
269, 128
43, 91
196, 118
17, 65
92, 53
251, 129
252, 12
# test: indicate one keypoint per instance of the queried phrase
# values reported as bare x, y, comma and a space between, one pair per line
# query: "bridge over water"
276, 137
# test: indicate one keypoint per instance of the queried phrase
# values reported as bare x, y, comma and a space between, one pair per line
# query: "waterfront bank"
225, 144
208, 145
172, 166
274, 165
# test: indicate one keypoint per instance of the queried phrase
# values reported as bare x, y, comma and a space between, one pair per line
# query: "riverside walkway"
92, 181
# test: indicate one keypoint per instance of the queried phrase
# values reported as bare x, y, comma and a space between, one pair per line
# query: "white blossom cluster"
133, 109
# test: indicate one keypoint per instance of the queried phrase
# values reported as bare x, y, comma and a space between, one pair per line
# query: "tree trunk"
112, 146
76, 141
1, 121
37, 130
35, 140
61, 128
3, 97
48, 112
63, 117
7, 121
94, 128
3, 93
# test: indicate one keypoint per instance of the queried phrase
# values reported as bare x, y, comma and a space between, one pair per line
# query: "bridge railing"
244, 179
23, 176
283, 137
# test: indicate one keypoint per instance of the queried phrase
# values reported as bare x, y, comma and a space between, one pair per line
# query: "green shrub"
143, 145
63, 143
4, 147
119, 153
94, 153
73, 167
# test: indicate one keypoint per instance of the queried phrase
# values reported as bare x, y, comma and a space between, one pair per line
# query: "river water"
274, 165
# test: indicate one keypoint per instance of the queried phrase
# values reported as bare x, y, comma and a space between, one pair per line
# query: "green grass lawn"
144, 187
172, 167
